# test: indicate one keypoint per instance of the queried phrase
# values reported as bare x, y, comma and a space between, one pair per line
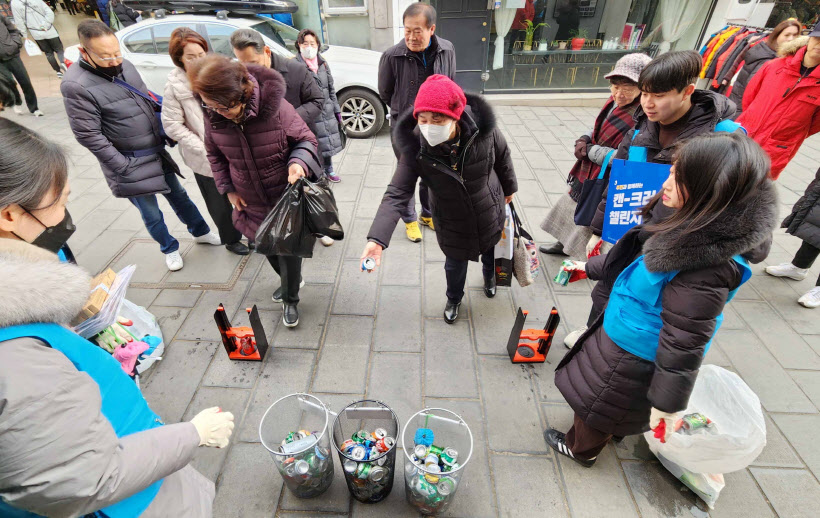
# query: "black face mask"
109, 71
53, 238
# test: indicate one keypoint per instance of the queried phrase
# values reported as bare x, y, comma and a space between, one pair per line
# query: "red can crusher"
522, 351
242, 343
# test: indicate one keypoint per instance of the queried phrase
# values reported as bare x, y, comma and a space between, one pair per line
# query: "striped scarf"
609, 131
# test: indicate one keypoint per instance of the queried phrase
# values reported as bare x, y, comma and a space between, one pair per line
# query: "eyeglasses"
106, 60
626, 89
220, 109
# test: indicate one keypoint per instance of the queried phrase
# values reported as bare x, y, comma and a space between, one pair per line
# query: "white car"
355, 71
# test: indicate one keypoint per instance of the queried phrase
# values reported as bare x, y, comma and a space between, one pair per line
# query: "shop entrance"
466, 23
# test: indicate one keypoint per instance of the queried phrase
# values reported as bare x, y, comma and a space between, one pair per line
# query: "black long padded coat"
612, 390
467, 202
804, 221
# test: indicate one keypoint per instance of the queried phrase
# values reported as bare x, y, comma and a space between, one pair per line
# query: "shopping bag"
321, 213
592, 191
284, 230
525, 253
342, 135
706, 486
143, 326
503, 252
32, 49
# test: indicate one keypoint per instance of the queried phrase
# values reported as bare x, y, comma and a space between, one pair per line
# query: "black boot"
451, 312
238, 248
290, 315
557, 441
489, 286
556, 248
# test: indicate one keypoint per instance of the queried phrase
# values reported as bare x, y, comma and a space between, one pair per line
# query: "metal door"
466, 23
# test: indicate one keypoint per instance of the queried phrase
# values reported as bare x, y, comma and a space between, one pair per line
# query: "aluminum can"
379, 433
360, 436
448, 457
347, 445
246, 346
378, 474
363, 470
301, 467
692, 422
358, 452
433, 476
446, 486
368, 264
437, 450
350, 466
420, 451
431, 460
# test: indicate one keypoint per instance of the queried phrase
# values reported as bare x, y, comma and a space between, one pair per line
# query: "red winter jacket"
252, 158
780, 110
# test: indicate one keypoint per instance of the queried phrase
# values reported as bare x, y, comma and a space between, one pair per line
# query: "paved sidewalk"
382, 336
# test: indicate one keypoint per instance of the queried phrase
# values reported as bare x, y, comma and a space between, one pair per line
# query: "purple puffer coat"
252, 158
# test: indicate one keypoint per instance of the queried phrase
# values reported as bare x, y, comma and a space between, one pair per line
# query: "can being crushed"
368, 264
691, 422
308, 471
563, 275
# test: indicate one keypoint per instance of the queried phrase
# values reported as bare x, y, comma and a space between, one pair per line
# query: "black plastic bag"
284, 230
321, 213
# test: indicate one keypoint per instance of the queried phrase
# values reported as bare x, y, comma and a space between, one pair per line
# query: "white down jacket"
183, 121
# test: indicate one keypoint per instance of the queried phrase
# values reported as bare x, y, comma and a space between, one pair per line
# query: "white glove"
655, 418
593, 241
577, 265
214, 427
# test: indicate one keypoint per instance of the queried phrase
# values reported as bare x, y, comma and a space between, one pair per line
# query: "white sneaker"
209, 239
18, 110
38, 113
811, 299
787, 270
327, 241
173, 261
573, 337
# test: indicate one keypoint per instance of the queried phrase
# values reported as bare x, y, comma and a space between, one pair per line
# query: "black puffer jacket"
613, 390
11, 40
467, 203
804, 221
755, 58
110, 120
326, 125
125, 14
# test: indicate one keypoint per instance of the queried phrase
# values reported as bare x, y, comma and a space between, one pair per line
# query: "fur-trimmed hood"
478, 116
790, 48
37, 287
740, 231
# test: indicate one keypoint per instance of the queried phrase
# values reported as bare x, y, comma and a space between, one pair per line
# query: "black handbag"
591, 193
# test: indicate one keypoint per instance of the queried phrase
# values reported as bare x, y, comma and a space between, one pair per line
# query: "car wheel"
362, 112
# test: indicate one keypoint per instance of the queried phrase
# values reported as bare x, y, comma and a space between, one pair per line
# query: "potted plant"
578, 38
531, 28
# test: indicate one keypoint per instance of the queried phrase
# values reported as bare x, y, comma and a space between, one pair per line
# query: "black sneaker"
557, 441
290, 315
277, 293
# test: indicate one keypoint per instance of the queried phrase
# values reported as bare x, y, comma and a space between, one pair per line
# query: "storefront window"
573, 44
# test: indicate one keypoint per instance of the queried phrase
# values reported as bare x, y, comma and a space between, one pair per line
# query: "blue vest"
633, 315
122, 402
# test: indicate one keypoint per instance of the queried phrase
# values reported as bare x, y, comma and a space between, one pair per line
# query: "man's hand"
295, 171
508, 199
237, 201
373, 251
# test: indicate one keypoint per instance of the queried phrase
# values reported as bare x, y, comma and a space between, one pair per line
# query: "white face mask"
435, 134
309, 52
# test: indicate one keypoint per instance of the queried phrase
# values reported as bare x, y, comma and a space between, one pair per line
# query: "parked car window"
162, 34
220, 38
141, 42
282, 34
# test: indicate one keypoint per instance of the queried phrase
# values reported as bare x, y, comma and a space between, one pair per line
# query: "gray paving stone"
803, 432
200, 323
448, 360
209, 461
206, 263
659, 494
252, 267
529, 195
250, 463
634, 447
527, 483
809, 381
357, 238
759, 369
284, 372
91, 226
395, 379
510, 407
224, 372
323, 267
170, 388
313, 303
401, 265
398, 319
356, 294
179, 298
792, 493
369, 202
777, 452
261, 289
342, 368
169, 320
432, 252
142, 296
349, 330
787, 346
94, 258
492, 320
741, 498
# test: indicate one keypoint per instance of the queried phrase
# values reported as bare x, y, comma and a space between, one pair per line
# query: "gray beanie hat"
630, 66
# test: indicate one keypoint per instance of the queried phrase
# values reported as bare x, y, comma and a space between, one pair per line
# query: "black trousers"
13, 69
219, 208
584, 441
289, 269
456, 272
805, 257
70, 7
50, 47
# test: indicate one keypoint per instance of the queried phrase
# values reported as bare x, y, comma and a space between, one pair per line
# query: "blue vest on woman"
122, 402
633, 315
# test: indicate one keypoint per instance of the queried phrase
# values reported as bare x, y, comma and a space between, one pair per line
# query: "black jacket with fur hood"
613, 390
467, 189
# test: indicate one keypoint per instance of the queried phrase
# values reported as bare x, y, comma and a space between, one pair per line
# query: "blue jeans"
185, 210
456, 273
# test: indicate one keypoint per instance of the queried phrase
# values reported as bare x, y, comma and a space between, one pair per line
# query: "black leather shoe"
451, 312
277, 293
238, 248
556, 248
290, 315
557, 441
489, 286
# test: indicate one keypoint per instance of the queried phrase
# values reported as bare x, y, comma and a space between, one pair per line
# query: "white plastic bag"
144, 323
32, 49
735, 409
706, 486
503, 252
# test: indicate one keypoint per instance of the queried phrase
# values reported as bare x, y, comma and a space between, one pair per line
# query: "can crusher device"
521, 346
242, 343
